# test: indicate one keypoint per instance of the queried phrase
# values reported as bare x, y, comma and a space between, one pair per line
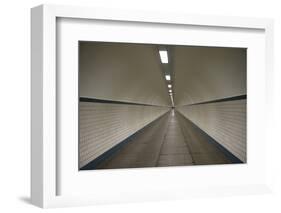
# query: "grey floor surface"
171, 140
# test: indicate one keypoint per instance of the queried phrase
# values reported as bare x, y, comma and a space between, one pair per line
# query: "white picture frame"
45, 178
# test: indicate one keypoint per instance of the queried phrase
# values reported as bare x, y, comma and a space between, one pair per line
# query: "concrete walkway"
171, 140
174, 150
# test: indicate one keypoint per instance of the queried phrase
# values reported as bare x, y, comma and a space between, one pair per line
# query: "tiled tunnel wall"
103, 126
223, 121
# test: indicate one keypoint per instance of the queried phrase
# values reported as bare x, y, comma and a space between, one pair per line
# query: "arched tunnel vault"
208, 73
122, 72
124, 88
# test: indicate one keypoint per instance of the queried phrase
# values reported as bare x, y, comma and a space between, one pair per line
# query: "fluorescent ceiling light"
169, 85
170, 90
168, 77
163, 56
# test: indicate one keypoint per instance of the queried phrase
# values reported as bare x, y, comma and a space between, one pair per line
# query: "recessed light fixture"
163, 56
169, 86
168, 77
170, 91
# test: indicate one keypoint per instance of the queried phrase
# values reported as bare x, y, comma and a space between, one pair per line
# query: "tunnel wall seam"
232, 98
98, 100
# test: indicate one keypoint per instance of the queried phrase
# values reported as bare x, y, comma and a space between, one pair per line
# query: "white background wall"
15, 99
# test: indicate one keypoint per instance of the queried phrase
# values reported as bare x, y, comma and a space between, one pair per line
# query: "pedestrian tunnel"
146, 105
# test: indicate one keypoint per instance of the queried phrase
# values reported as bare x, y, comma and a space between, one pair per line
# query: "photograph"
160, 105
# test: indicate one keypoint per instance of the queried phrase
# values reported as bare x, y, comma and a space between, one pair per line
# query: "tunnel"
153, 105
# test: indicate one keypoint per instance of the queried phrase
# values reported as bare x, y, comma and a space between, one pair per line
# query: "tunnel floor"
171, 140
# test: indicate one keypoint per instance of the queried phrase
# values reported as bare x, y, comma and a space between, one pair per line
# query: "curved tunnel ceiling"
122, 72
134, 73
208, 73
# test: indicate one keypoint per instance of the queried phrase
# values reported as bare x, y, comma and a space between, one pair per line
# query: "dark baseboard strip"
109, 153
96, 100
227, 153
234, 98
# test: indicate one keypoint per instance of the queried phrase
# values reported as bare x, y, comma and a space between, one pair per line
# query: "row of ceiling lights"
164, 59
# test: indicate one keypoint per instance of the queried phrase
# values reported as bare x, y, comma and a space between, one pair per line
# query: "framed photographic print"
131, 106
